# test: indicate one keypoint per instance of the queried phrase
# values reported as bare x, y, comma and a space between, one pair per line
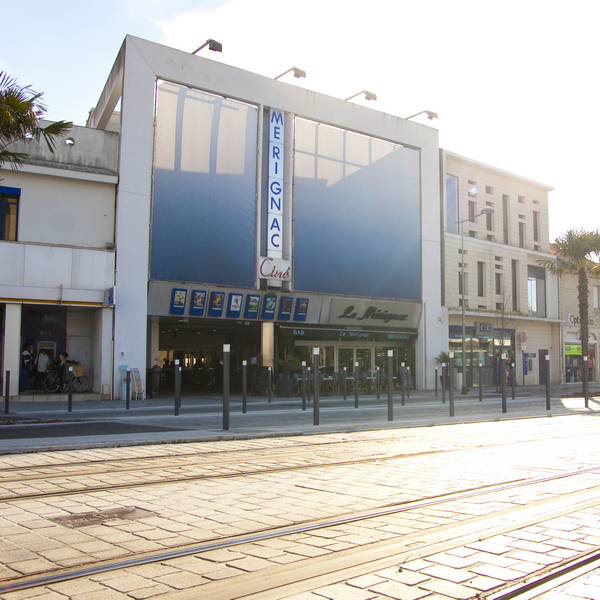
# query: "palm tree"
20, 112
575, 251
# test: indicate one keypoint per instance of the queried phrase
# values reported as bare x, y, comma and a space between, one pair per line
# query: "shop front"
484, 344
191, 323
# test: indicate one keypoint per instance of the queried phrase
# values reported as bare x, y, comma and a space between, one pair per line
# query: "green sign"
572, 349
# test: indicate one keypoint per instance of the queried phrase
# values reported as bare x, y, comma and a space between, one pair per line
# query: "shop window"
9, 211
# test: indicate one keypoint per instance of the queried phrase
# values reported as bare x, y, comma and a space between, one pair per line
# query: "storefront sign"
572, 349
274, 268
345, 335
571, 320
401, 315
483, 328
275, 189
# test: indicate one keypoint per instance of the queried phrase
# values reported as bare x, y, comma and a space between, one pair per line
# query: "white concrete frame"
132, 79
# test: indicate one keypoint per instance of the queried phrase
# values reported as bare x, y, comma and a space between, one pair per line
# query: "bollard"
355, 385
443, 383
7, 390
436, 382
408, 382
303, 385
226, 355
584, 372
480, 384
345, 385
390, 357
503, 381
70, 404
378, 386
128, 389
547, 382
309, 371
244, 385
177, 382
451, 369
402, 382
269, 383
513, 376
316, 390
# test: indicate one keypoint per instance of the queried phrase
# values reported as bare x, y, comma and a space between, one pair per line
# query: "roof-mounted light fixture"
430, 115
297, 73
368, 95
212, 45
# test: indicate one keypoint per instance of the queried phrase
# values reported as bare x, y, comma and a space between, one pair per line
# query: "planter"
283, 387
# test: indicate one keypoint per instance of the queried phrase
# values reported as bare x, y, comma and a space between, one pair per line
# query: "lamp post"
486, 211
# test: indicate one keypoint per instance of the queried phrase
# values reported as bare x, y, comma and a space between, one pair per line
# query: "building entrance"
199, 350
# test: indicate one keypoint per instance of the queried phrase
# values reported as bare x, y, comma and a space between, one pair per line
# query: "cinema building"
255, 213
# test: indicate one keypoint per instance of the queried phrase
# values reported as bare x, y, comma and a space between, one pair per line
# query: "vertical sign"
275, 197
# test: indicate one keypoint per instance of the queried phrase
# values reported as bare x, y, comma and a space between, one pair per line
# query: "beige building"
511, 304
571, 358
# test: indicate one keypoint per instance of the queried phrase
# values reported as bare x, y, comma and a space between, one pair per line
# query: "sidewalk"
43, 426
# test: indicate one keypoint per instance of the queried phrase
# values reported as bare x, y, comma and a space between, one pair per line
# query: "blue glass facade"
357, 214
204, 195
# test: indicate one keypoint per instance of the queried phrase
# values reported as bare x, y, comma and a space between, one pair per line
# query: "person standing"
26, 367
41, 362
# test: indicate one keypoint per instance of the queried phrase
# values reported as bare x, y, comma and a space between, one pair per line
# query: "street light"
368, 95
298, 73
430, 115
486, 211
212, 45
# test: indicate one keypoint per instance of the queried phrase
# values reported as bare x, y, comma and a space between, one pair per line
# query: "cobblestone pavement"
462, 531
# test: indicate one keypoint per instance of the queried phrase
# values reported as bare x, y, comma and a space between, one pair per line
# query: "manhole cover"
102, 516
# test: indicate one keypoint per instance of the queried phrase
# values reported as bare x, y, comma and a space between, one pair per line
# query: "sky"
516, 84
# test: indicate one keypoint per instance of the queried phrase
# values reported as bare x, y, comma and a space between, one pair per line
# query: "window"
515, 280
536, 226
472, 210
521, 199
505, 226
9, 212
499, 283
536, 291
521, 235
452, 204
480, 278
472, 188
488, 222
489, 189
473, 234
595, 296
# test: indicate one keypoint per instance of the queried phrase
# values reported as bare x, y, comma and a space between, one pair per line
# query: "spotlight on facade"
212, 45
368, 95
297, 73
430, 115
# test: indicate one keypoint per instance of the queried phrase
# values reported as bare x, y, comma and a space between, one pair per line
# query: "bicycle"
53, 382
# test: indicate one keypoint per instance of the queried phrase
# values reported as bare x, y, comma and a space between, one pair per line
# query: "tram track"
371, 556
327, 455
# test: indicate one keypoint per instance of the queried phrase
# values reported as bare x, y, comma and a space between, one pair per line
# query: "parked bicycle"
54, 382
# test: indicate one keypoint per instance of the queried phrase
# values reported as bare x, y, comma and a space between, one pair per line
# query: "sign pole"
390, 357
244, 384
316, 390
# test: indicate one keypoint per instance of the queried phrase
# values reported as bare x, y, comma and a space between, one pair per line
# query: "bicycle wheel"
80, 384
51, 383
